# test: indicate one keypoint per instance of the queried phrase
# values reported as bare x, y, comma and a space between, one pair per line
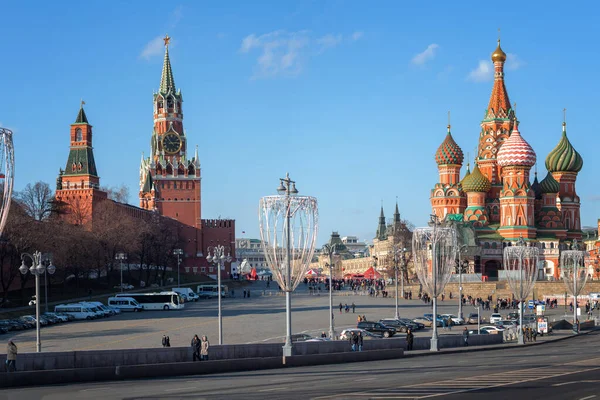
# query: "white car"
456, 320
492, 329
495, 318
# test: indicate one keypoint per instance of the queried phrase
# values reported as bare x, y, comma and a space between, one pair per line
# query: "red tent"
371, 274
312, 273
253, 275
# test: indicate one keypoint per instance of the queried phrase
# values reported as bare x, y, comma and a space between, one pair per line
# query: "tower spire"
81, 117
167, 82
397, 212
381, 235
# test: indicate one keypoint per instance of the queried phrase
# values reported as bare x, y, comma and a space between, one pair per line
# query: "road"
562, 370
251, 320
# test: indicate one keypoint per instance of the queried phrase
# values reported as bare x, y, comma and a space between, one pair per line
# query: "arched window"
170, 102
78, 135
169, 169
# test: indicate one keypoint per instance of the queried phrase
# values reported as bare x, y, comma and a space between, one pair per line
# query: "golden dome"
498, 54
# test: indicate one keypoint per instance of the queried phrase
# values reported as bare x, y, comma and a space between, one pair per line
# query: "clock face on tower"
171, 143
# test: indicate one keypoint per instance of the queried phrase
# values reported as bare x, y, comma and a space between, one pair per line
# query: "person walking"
164, 341
353, 307
351, 340
465, 335
204, 350
196, 347
409, 339
341, 307
168, 341
11, 356
360, 341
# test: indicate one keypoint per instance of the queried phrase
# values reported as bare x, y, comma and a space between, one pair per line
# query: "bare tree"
119, 194
37, 200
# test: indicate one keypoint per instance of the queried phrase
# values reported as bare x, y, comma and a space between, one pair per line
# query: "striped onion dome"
476, 182
549, 184
564, 158
515, 151
449, 152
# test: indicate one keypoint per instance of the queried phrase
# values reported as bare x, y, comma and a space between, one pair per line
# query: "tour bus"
78, 311
209, 291
125, 304
156, 301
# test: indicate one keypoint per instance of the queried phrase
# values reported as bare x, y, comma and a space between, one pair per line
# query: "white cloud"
483, 72
153, 48
513, 62
282, 53
426, 55
329, 40
357, 35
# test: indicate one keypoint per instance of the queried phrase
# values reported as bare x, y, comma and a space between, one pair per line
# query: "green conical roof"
466, 173
167, 82
449, 152
476, 182
81, 117
564, 158
549, 184
147, 188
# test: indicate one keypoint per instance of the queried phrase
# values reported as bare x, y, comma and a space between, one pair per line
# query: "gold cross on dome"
166, 39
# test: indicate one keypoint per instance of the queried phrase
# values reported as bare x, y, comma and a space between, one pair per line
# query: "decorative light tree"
574, 273
7, 173
288, 230
521, 264
434, 250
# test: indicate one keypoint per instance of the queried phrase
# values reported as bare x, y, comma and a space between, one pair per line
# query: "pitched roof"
167, 82
81, 117
81, 157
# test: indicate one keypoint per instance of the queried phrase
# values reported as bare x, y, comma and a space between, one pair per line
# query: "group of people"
356, 341
529, 334
345, 307
200, 348
166, 341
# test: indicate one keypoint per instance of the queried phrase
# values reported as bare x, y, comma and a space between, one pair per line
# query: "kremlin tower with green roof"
497, 199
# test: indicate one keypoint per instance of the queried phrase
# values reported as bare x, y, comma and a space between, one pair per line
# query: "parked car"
419, 325
472, 319
495, 318
440, 319
507, 324
51, 319
126, 286
481, 332
426, 321
301, 337
492, 329
396, 323
377, 327
455, 320
68, 316
345, 335
24, 323
3, 330
11, 325
60, 318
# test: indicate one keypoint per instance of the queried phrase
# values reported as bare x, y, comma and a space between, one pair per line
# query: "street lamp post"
37, 268
399, 255
330, 251
121, 256
50, 269
219, 258
463, 249
178, 253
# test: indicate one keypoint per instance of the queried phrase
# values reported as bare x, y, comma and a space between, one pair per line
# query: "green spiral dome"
549, 184
564, 157
476, 181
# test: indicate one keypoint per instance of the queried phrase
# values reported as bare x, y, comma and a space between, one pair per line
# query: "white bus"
78, 311
156, 301
209, 291
124, 304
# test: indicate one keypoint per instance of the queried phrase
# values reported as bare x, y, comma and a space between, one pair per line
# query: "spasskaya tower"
169, 179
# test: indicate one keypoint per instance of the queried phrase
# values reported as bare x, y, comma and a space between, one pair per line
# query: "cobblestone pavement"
260, 318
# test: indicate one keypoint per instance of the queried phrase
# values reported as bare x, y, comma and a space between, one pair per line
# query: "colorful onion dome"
535, 186
498, 54
466, 173
476, 182
449, 152
515, 151
549, 184
564, 158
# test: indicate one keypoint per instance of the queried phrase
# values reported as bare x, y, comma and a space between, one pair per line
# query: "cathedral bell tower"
169, 179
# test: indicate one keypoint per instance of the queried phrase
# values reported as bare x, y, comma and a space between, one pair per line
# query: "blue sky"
350, 97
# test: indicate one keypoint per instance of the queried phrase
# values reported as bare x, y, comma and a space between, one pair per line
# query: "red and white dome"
515, 151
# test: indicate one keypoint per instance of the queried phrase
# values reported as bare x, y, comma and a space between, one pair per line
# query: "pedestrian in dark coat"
196, 347
465, 335
164, 341
360, 341
409, 339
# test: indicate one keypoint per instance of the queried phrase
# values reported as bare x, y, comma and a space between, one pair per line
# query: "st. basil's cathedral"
496, 197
